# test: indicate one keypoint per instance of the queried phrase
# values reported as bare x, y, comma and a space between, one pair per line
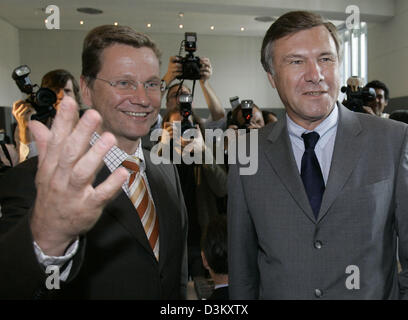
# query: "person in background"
214, 252
382, 96
63, 83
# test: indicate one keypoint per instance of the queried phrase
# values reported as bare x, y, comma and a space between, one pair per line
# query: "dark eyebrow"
293, 56
328, 53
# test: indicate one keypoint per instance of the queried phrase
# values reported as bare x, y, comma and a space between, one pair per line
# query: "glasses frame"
133, 85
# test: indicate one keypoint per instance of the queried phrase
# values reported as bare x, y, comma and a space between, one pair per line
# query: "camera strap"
181, 84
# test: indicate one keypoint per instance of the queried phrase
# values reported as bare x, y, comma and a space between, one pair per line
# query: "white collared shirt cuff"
59, 261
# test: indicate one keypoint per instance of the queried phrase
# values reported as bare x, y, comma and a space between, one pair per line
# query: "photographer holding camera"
175, 70
247, 115
382, 95
62, 83
193, 68
202, 183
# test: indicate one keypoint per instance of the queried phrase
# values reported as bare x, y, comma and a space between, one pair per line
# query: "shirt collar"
115, 156
296, 130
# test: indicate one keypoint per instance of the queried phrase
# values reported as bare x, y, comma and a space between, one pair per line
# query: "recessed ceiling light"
149, 25
265, 19
46, 21
81, 22
242, 29
212, 28
181, 14
181, 26
89, 10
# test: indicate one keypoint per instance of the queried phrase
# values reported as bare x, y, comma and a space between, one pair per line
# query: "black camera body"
42, 100
246, 109
190, 64
185, 104
356, 96
357, 99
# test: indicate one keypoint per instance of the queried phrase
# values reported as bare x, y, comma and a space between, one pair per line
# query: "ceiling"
227, 16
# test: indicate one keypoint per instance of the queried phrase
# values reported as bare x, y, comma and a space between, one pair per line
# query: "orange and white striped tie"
139, 195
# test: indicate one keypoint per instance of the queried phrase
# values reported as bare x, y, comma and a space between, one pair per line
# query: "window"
355, 52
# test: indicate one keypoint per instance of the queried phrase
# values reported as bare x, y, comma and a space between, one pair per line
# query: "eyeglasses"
128, 86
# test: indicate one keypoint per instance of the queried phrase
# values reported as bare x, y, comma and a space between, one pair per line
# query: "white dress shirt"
327, 130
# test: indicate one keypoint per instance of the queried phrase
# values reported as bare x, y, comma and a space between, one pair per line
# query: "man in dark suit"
321, 217
84, 230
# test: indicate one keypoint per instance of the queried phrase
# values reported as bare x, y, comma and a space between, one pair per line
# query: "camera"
42, 100
246, 108
357, 97
190, 64
185, 101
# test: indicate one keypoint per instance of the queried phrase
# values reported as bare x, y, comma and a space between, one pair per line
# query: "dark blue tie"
311, 173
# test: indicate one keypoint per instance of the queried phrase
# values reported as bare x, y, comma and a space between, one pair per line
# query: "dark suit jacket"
277, 249
220, 294
115, 260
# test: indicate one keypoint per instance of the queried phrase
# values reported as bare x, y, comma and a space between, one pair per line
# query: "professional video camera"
357, 97
190, 64
185, 101
42, 100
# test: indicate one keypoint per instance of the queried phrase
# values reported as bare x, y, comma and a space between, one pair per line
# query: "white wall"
236, 61
388, 51
9, 59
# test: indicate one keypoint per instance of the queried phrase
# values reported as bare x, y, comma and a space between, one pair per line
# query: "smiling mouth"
136, 114
315, 93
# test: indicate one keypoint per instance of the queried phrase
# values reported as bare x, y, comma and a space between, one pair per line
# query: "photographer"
62, 83
377, 106
202, 183
254, 121
174, 70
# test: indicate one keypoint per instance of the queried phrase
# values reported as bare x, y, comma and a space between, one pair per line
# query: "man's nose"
140, 96
313, 72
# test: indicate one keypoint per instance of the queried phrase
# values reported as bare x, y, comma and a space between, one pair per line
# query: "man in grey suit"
322, 216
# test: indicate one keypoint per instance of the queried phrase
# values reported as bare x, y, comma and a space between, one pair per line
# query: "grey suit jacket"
277, 249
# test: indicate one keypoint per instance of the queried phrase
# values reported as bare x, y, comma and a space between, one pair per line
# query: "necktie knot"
132, 164
310, 139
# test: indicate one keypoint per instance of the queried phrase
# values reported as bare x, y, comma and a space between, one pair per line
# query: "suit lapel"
278, 151
347, 150
123, 210
163, 204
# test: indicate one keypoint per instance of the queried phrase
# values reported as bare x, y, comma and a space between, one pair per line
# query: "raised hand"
67, 205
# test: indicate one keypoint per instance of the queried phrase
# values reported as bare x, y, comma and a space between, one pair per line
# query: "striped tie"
144, 205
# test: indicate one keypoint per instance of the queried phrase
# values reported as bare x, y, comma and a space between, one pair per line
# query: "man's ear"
205, 262
271, 80
85, 92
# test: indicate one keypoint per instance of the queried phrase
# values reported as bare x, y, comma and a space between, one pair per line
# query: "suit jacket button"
318, 293
318, 244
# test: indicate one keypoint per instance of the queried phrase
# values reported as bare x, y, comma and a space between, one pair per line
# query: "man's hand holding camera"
175, 69
66, 170
23, 111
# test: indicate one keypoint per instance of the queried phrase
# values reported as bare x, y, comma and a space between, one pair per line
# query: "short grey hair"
289, 23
